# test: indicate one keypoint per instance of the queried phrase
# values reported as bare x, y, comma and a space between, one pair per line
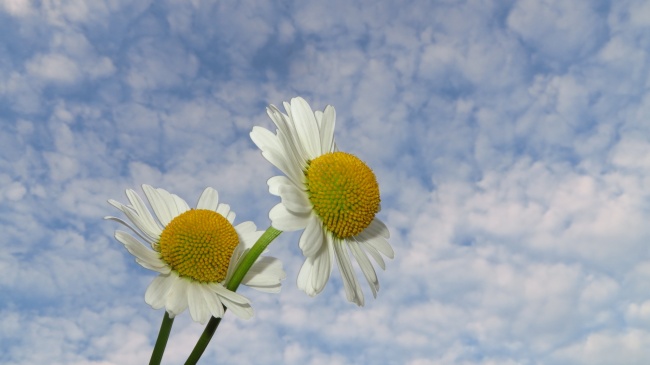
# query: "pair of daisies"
332, 195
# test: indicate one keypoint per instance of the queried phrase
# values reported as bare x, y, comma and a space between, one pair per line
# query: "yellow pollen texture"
344, 193
198, 244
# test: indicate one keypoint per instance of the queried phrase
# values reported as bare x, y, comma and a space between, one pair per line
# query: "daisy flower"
195, 252
332, 195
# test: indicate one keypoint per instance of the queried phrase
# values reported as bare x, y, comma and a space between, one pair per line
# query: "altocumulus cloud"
510, 140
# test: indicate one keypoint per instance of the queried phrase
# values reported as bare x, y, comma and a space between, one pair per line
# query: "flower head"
195, 251
332, 195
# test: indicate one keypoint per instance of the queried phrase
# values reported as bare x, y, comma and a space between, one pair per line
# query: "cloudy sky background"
511, 140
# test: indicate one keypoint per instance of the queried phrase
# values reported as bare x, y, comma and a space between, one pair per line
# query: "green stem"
269, 235
204, 340
161, 342
262, 243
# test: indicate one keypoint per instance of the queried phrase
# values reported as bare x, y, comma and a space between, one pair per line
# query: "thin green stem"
161, 342
204, 340
262, 243
247, 262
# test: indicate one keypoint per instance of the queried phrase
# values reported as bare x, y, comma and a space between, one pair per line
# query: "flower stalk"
161, 342
247, 262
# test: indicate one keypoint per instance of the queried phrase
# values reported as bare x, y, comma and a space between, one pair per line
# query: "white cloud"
15, 191
508, 140
19, 8
609, 347
633, 153
59, 12
639, 13
54, 67
156, 65
61, 167
558, 30
71, 58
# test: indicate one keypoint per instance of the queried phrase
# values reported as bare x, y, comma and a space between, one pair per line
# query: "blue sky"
511, 140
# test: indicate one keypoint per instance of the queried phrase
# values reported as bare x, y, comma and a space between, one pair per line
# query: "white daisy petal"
140, 208
277, 117
350, 283
138, 233
213, 302
177, 296
175, 205
328, 122
377, 227
306, 126
380, 244
264, 139
231, 217
246, 227
166, 197
115, 203
276, 182
374, 253
322, 267
249, 239
156, 294
266, 274
223, 209
277, 160
209, 199
292, 157
238, 304
270, 140
366, 267
227, 294
151, 235
286, 162
287, 134
295, 159
243, 311
312, 238
284, 220
147, 258
287, 107
181, 205
319, 118
295, 199
158, 204
304, 277
197, 305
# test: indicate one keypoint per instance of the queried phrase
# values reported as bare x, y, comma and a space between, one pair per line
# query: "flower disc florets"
343, 191
198, 244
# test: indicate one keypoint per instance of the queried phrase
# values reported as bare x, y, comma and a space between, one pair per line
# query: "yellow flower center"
343, 191
198, 244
